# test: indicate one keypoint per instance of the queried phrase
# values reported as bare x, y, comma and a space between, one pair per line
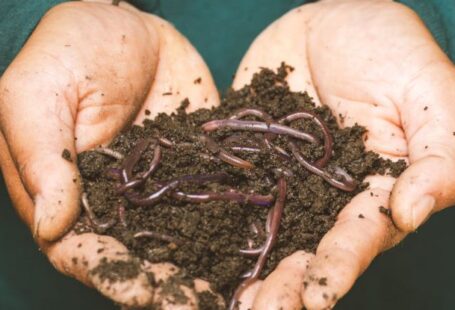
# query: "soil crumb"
204, 238
66, 155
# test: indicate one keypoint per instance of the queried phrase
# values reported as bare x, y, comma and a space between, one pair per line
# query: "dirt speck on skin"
208, 235
322, 281
208, 301
171, 288
385, 211
66, 154
116, 270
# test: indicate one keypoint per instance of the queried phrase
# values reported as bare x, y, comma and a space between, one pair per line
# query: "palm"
375, 64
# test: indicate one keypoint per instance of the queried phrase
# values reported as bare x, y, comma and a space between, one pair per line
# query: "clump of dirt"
116, 270
204, 238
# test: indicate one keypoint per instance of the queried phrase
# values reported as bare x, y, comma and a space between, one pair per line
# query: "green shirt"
418, 275
204, 22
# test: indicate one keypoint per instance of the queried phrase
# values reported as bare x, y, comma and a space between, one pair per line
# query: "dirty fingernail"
422, 210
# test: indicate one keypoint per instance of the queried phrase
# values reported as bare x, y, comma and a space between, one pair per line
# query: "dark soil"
208, 236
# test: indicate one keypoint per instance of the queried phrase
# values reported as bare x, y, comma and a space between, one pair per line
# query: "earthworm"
251, 252
257, 251
114, 173
258, 127
223, 154
255, 199
132, 159
152, 198
286, 172
268, 221
246, 274
109, 152
139, 180
165, 187
268, 245
156, 235
258, 113
92, 217
254, 228
235, 142
154, 164
234, 160
165, 142
245, 149
121, 214
281, 152
123, 187
328, 140
348, 184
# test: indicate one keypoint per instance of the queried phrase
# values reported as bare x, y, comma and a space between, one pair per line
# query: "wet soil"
206, 237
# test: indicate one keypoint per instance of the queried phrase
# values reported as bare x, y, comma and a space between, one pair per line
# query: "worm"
109, 152
254, 274
92, 217
258, 127
328, 140
348, 184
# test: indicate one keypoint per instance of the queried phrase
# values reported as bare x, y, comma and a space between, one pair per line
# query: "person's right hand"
88, 71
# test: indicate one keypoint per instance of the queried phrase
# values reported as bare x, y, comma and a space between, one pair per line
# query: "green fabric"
215, 27
417, 275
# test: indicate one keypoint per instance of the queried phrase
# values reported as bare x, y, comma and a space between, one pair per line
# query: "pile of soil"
208, 235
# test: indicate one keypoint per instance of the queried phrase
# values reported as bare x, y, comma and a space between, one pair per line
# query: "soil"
206, 237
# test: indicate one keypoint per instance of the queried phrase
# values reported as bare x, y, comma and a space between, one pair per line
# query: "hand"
373, 63
88, 71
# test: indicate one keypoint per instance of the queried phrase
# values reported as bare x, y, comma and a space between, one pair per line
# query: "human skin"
373, 63
88, 71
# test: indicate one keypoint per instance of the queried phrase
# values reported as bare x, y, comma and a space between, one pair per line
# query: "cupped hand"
88, 71
373, 63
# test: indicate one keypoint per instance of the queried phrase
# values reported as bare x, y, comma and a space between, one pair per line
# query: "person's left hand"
373, 63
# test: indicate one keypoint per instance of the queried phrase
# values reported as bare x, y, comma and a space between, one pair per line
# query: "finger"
85, 256
428, 117
203, 287
181, 74
362, 231
172, 287
283, 41
248, 296
22, 201
38, 136
54, 89
282, 288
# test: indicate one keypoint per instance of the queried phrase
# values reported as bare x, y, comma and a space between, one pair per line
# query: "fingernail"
422, 210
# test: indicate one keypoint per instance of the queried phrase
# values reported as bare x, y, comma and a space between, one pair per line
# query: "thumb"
428, 118
37, 121
71, 77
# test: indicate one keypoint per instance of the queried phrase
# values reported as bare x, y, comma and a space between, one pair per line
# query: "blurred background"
418, 274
